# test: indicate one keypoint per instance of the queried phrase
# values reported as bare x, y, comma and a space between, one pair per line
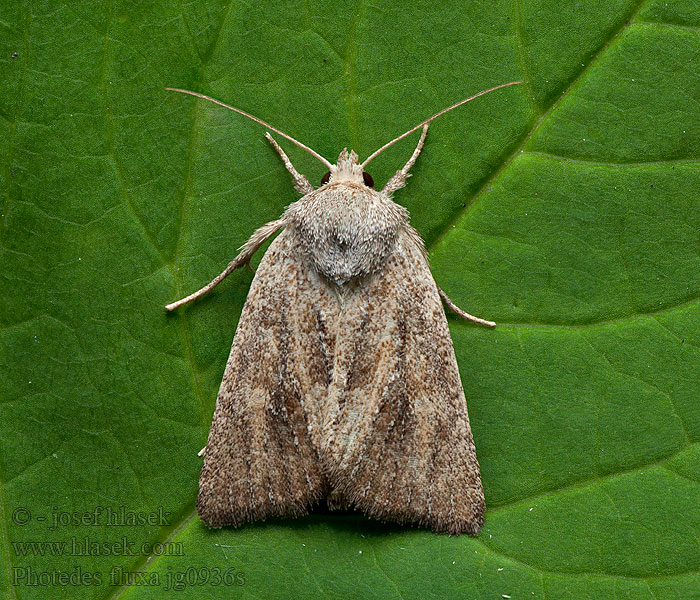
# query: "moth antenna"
252, 118
435, 116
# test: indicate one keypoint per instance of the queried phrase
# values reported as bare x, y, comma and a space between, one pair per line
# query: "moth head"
348, 170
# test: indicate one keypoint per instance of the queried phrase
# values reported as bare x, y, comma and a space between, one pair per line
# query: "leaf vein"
519, 147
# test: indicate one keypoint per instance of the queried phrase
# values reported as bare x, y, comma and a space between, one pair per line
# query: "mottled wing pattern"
399, 445
261, 459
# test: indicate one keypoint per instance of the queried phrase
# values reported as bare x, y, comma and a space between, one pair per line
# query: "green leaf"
566, 209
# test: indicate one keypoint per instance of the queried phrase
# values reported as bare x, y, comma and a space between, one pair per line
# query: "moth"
342, 382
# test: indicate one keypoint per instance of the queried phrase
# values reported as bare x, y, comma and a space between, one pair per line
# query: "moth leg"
398, 180
246, 252
301, 183
458, 311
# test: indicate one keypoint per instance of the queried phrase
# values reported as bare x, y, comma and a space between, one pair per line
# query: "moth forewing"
400, 446
342, 382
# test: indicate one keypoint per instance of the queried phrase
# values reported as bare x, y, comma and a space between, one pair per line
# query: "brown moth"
342, 382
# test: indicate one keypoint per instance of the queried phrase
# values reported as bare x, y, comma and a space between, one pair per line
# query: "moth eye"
326, 178
367, 178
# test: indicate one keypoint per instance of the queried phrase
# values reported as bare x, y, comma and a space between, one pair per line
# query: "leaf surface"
565, 209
